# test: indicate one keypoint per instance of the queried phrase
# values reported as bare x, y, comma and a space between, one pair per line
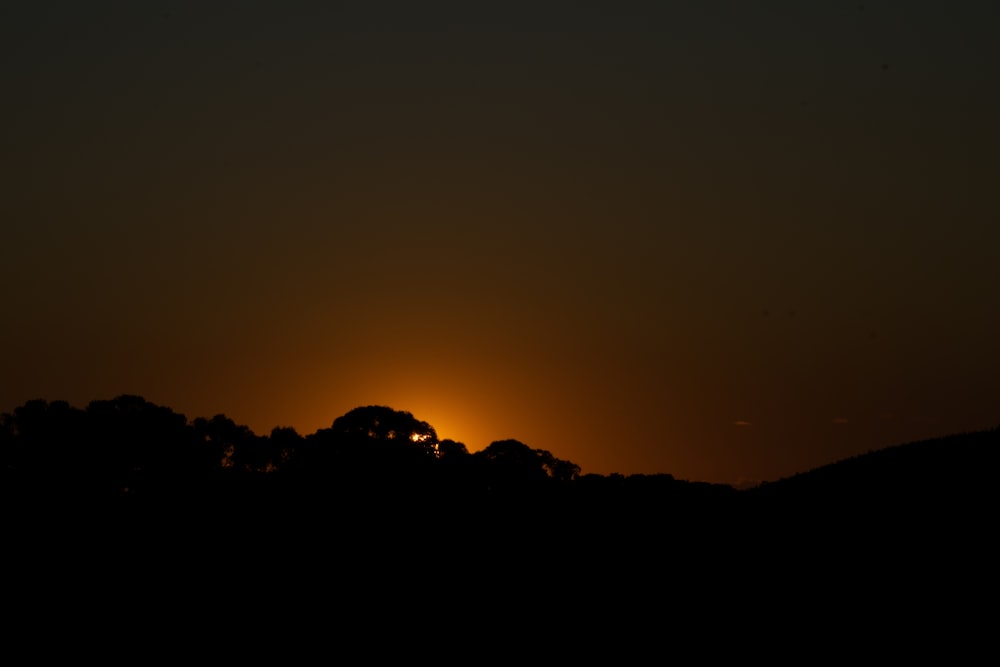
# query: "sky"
724, 240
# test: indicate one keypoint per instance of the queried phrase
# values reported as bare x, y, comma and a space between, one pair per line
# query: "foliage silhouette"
134, 454
376, 424
513, 465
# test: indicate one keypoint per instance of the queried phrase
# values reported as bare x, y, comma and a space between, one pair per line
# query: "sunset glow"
711, 243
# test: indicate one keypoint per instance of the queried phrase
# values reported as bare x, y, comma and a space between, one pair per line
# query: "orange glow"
694, 268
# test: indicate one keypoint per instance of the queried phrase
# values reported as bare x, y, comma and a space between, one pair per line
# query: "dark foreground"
893, 553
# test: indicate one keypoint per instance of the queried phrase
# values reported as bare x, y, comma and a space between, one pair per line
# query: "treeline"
130, 450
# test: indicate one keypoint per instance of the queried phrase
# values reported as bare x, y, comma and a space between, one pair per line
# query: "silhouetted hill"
899, 500
886, 520
954, 469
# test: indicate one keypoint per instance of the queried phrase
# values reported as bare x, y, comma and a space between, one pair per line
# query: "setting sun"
610, 253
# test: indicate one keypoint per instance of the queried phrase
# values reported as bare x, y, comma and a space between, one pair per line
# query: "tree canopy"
381, 424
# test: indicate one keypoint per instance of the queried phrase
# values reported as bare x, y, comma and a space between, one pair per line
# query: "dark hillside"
953, 470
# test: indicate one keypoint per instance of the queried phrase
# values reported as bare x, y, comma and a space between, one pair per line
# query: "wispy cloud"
740, 422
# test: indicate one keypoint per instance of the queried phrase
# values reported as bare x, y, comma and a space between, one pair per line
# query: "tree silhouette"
43, 453
369, 451
284, 442
380, 425
231, 445
513, 464
134, 444
450, 449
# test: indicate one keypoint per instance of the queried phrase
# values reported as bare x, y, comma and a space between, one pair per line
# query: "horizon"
739, 484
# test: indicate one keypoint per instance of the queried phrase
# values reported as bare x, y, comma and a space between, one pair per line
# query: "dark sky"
726, 240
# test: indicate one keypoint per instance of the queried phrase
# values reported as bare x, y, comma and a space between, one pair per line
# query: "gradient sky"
726, 240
